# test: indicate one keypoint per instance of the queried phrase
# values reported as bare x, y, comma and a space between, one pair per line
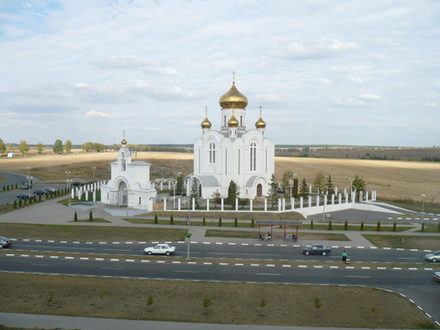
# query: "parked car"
317, 249
5, 242
24, 196
40, 192
160, 249
436, 276
434, 256
49, 190
76, 184
26, 186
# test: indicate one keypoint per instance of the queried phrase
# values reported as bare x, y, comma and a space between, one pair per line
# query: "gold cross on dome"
233, 77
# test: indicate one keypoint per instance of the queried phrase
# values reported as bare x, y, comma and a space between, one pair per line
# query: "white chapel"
233, 152
130, 184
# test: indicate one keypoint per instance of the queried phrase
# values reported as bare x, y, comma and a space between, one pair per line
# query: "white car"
160, 249
436, 276
5, 242
434, 256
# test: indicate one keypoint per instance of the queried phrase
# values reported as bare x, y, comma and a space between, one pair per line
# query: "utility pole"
188, 237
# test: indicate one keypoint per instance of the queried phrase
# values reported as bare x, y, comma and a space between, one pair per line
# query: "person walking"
344, 256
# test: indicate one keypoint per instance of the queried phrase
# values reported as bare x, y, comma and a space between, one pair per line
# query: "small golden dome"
233, 99
124, 141
206, 123
233, 122
260, 123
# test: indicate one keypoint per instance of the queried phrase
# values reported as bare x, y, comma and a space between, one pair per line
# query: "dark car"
40, 192
5, 242
24, 196
76, 184
317, 249
49, 190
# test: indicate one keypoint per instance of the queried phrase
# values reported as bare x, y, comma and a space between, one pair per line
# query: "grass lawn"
356, 227
276, 235
431, 228
90, 233
2, 178
225, 215
409, 242
410, 204
225, 303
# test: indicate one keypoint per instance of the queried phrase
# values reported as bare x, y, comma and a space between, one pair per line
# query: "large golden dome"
233, 99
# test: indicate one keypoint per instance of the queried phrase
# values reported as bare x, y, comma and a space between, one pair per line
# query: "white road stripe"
255, 265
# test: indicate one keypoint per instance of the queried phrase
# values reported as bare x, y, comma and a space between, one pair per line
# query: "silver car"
5, 242
434, 256
160, 249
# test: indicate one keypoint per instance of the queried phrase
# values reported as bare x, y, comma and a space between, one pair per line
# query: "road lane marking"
287, 266
302, 266
268, 274
114, 259
185, 271
54, 257
381, 268
69, 258
358, 276
270, 265
45, 265
223, 264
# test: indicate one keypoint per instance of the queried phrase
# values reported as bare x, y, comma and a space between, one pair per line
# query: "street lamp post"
94, 170
188, 237
423, 202
29, 181
351, 185
67, 184
174, 194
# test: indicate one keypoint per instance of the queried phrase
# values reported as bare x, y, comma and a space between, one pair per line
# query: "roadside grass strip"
233, 302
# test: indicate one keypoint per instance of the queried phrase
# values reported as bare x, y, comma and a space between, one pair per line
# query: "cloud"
132, 62
316, 49
95, 114
431, 104
370, 97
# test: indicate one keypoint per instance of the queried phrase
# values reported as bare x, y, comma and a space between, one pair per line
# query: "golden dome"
124, 142
260, 122
233, 99
233, 122
206, 123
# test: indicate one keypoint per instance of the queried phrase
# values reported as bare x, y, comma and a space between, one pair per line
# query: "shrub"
438, 228
171, 220
150, 301
15, 203
156, 220
346, 225
317, 302
423, 227
330, 225
75, 217
311, 224
235, 222
204, 221
90, 216
20, 203
378, 226
263, 302
252, 223
394, 226
206, 302
50, 298
220, 221
362, 226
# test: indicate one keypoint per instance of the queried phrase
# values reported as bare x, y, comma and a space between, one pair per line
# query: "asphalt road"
417, 284
224, 250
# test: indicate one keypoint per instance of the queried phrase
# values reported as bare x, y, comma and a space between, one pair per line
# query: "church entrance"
259, 190
122, 194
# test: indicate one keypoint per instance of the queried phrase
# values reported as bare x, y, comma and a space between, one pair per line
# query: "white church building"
233, 152
130, 184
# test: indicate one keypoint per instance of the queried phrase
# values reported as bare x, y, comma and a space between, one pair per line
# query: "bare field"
392, 179
226, 303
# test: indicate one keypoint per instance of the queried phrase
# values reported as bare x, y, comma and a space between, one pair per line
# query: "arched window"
253, 156
224, 121
212, 153
241, 120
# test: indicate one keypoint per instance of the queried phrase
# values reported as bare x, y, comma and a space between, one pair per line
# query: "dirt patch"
234, 303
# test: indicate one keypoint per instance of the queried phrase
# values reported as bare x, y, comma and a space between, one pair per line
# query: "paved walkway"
88, 323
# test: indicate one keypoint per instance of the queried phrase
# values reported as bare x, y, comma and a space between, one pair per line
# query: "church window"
241, 120
140, 200
212, 153
224, 121
253, 156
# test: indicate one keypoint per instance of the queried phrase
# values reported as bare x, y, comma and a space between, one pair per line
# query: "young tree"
2, 147
87, 146
304, 188
217, 197
68, 146
40, 148
194, 193
329, 186
58, 147
179, 184
358, 184
23, 147
319, 182
233, 193
286, 182
295, 187
272, 194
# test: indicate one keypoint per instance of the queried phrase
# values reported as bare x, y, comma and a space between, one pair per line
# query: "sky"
324, 72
